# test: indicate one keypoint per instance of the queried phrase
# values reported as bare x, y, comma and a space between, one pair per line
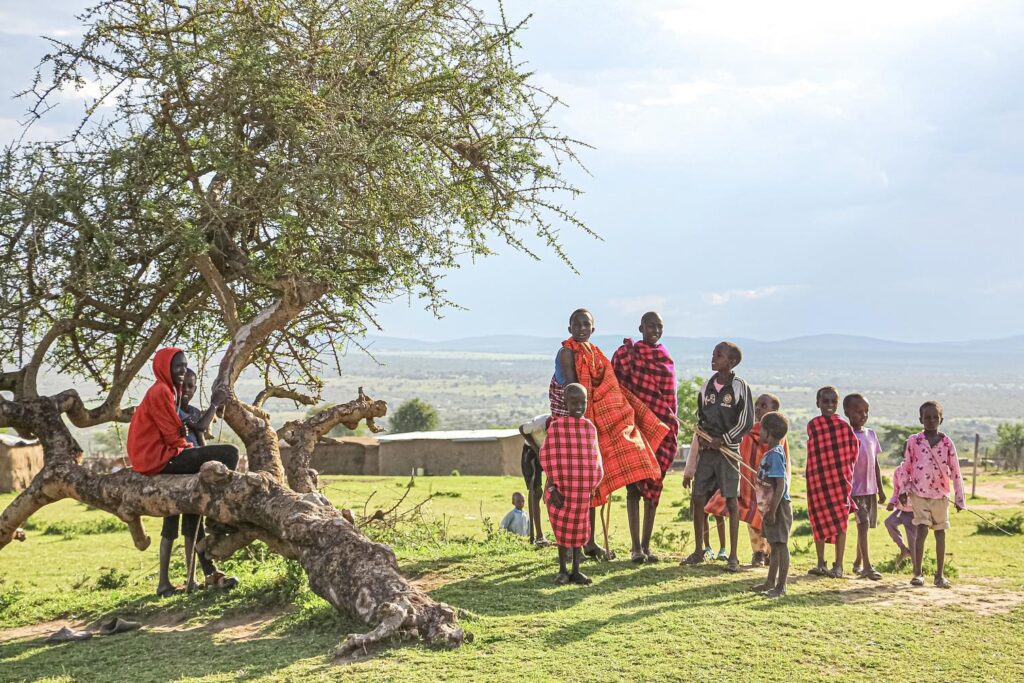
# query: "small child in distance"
517, 521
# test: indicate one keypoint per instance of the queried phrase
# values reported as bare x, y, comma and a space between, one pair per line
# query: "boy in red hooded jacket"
156, 438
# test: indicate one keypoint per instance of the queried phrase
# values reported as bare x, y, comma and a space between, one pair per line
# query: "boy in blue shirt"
777, 515
517, 521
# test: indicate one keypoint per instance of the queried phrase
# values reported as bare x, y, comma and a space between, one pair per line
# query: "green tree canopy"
414, 415
1011, 444
688, 393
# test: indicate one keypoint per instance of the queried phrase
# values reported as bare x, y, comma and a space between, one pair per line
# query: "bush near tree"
414, 415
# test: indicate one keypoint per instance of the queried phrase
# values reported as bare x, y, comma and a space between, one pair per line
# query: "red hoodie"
153, 435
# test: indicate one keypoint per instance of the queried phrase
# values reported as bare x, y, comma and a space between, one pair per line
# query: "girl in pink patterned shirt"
931, 461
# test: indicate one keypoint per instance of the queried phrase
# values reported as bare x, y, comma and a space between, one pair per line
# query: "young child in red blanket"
572, 462
832, 448
646, 369
752, 450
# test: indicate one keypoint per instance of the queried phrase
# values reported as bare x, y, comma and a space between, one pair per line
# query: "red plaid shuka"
832, 449
625, 426
571, 459
649, 374
556, 394
752, 451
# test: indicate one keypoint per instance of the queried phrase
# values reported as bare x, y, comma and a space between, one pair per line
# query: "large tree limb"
302, 435
352, 573
219, 288
270, 392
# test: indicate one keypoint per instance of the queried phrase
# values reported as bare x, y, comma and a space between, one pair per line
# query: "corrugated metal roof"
460, 435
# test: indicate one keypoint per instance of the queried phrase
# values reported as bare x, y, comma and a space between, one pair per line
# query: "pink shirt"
865, 483
931, 468
900, 481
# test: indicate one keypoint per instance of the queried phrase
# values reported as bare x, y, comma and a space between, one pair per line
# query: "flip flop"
67, 635
118, 625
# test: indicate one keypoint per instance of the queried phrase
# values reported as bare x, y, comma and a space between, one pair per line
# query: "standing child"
832, 449
725, 411
778, 514
931, 462
752, 450
516, 521
533, 433
646, 369
626, 427
572, 462
868, 492
902, 514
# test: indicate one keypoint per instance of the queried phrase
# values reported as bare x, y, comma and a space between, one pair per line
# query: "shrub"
414, 416
998, 526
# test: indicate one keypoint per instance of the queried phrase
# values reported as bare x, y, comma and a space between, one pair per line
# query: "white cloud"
720, 298
638, 305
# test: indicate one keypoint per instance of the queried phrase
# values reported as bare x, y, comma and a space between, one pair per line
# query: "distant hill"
994, 354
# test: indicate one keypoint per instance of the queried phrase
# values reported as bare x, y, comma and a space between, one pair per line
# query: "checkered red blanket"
832, 449
625, 426
649, 373
572, 462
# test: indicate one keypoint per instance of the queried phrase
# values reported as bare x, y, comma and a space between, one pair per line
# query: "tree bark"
303, 435
351, 572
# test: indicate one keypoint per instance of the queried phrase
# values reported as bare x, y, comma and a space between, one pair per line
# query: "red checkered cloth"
625, 426
649, 373
571, 459
752, 451
556, 394
832, 449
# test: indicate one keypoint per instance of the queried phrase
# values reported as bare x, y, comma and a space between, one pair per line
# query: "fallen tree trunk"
354, 574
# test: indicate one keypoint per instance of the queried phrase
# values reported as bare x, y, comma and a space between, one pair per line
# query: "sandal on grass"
722, 556
942, 582
637, 556
732, 566
917, 581
695, 557
872, 574
220, 581
835, 573
169, 592
818, 570
118, 625
651, 557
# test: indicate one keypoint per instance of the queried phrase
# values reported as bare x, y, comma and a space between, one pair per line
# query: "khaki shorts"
931, 512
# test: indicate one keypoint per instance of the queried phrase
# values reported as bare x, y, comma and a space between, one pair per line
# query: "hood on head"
162, 365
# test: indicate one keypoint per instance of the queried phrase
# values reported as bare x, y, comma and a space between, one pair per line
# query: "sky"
759, 170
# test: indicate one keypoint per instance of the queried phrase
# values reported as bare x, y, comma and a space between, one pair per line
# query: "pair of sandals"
111, 627
697, 557
643, 556
577, 578
820, 570
217, 580
940, 581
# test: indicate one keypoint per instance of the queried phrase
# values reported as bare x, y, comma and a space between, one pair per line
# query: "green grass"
650, 622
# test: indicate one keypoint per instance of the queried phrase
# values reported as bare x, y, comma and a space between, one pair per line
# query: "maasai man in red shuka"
572, 461
645, 369
625, 426
752, 450
832, 449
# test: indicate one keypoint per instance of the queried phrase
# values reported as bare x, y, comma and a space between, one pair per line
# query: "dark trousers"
188, 462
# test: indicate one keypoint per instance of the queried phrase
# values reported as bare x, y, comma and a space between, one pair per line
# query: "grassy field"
647, 622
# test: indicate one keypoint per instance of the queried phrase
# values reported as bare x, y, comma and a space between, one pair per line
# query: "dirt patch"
997, 492
237, 627
981, 600
40, 630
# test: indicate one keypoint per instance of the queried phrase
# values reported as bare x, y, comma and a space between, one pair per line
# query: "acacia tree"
254, 178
